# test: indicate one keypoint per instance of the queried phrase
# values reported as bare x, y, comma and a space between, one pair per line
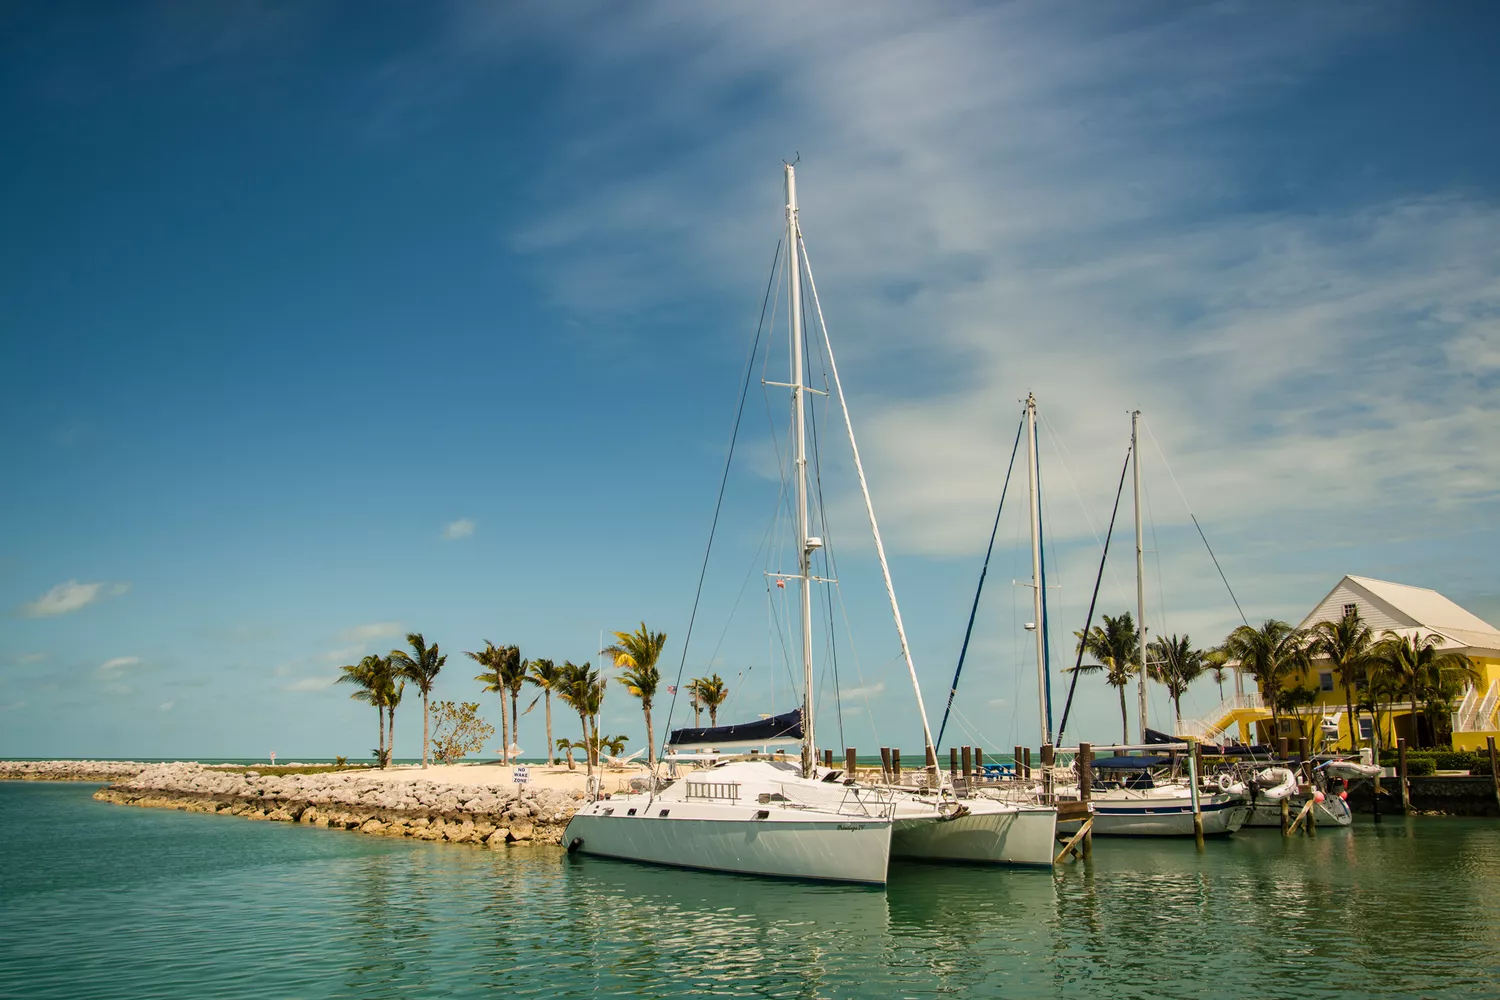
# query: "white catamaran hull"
988, 833
1162, 817
729, 838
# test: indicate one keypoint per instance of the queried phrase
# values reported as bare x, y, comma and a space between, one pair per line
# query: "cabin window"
1325, 680
1351, 609
1366, 729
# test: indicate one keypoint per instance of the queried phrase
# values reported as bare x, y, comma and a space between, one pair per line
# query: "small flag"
671, 689
781, 583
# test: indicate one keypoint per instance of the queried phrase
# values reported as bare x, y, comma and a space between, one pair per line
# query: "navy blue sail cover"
785, 728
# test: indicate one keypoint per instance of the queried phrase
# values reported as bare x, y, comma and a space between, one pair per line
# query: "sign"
521, 774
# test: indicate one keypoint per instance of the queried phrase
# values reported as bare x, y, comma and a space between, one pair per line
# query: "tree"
512, 677
567, 746
1216, 661
710, 692
1116, 646
1417, 666
1347, 644
392, 688
421, 667
458, 730
366, 674
1176, 665
1272, 654
583, 688
636, 653
545, 674
490, 658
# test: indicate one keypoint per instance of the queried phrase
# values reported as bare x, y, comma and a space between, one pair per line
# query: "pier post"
1019, 767
1286, 815
1304, 753
828, 757
978, 762
1047, 797
1283, 748
1494, 769
851, 763
952, 762
1085, 793
885, 764
1026, 755
966, 755
896, 764
1197, 803
1312, 813
1401, 776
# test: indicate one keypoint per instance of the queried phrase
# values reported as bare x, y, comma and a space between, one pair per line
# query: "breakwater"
69, 770
1430, 795
492, 815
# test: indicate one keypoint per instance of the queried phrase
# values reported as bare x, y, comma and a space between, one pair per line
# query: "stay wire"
983, 572
1093, 601
739, 412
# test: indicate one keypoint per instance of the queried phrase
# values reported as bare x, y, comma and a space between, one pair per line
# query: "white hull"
1332, 811
1161, 816
750, 818
989, 833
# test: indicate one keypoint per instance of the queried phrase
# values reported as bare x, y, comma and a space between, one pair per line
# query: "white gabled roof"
1397, 606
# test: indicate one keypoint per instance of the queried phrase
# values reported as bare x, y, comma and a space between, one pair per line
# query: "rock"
521, 831
371, 826
498, 839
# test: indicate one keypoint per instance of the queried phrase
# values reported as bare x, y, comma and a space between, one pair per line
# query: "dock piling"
1018, 767
1193, 784
1494, 769
828, 758
1085, 793
1401, 776
896, 764
1026, 756
1047, 756
885, 764
851, 763
966, 758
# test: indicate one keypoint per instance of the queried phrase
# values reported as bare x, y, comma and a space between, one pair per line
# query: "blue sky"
322, 322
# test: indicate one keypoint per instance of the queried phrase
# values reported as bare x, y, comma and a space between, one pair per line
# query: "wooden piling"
1047, 754
851, 763
1303, 752
978, 762
1283, 748
885, 764
1085, 793
828, 758
952, 762
1019, 767
1494, 769
896, 764
1401, 776
1286, 815
966, 756
1193, 785
1026, 756
932, 768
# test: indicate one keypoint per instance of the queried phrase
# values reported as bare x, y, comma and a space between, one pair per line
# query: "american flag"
671, 689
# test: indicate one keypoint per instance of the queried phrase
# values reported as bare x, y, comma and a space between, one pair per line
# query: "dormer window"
1351, 609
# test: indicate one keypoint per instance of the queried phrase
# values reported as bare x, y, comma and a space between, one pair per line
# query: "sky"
321, 323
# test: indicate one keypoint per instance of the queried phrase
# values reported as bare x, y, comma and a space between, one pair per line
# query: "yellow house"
1412, 611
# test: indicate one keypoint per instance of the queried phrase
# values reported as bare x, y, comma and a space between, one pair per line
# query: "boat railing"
715, 791
861, 801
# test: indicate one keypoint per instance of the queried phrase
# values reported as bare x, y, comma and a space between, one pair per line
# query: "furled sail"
785, 728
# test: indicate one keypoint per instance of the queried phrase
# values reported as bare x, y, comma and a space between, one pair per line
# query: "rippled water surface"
104, 901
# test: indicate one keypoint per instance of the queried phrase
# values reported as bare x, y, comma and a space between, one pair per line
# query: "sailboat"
757, 816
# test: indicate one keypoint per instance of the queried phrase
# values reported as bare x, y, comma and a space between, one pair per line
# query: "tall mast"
804, 548
1032, 474
1140, 571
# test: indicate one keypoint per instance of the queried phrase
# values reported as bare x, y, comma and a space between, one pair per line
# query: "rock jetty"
493, 815
69, 770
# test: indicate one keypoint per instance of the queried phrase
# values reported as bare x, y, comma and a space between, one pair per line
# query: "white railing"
1486, 714
1210, 728
1463, 715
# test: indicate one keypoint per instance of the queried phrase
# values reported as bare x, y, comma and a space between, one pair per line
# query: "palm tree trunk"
424, 728
504, 732
547, 695
1177, 710
1353, 722
515, 721
390, 744
650, 741
1124, 719
380, 726
713, 715
588, 755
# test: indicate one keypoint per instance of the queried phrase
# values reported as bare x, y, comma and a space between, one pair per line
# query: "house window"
1285, 728
1325, 680
1366, 729
1351, 609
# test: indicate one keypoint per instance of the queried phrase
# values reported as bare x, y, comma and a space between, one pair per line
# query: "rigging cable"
734, 433
1089, 623
974, 610
1046, 618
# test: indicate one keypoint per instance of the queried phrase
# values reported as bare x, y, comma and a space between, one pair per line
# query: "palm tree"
366, 674
422, 670
1417, 665
391, 690
711, 693
490, 658
1347, 645
582, 687
692, 690
1116, 646
545, 674
1273, 654
1177, 664
512, 676
637, 652
1216, 661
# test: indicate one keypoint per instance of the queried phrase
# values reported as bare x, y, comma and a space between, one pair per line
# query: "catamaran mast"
805, 545
1039, 626
1140, 572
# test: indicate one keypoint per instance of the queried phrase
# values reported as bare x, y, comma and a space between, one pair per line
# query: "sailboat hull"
727, 838
1162, 817
1332, 811
990, 833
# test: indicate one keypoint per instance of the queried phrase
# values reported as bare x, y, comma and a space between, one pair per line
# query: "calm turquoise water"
103, 901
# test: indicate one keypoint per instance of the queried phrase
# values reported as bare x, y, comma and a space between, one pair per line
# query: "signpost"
521, 774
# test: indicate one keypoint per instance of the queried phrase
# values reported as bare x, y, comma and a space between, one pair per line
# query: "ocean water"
102, 901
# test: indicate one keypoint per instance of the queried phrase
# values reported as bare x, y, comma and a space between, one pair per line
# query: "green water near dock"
106, 902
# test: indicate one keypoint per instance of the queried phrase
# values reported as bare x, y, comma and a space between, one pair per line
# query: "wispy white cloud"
25, 658
374, 630
863, 691
69, 597
167, 706
343, 653
14, 706
310, 684
119, 663
462, 528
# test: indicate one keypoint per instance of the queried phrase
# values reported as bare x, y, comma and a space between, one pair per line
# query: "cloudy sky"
321, 323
